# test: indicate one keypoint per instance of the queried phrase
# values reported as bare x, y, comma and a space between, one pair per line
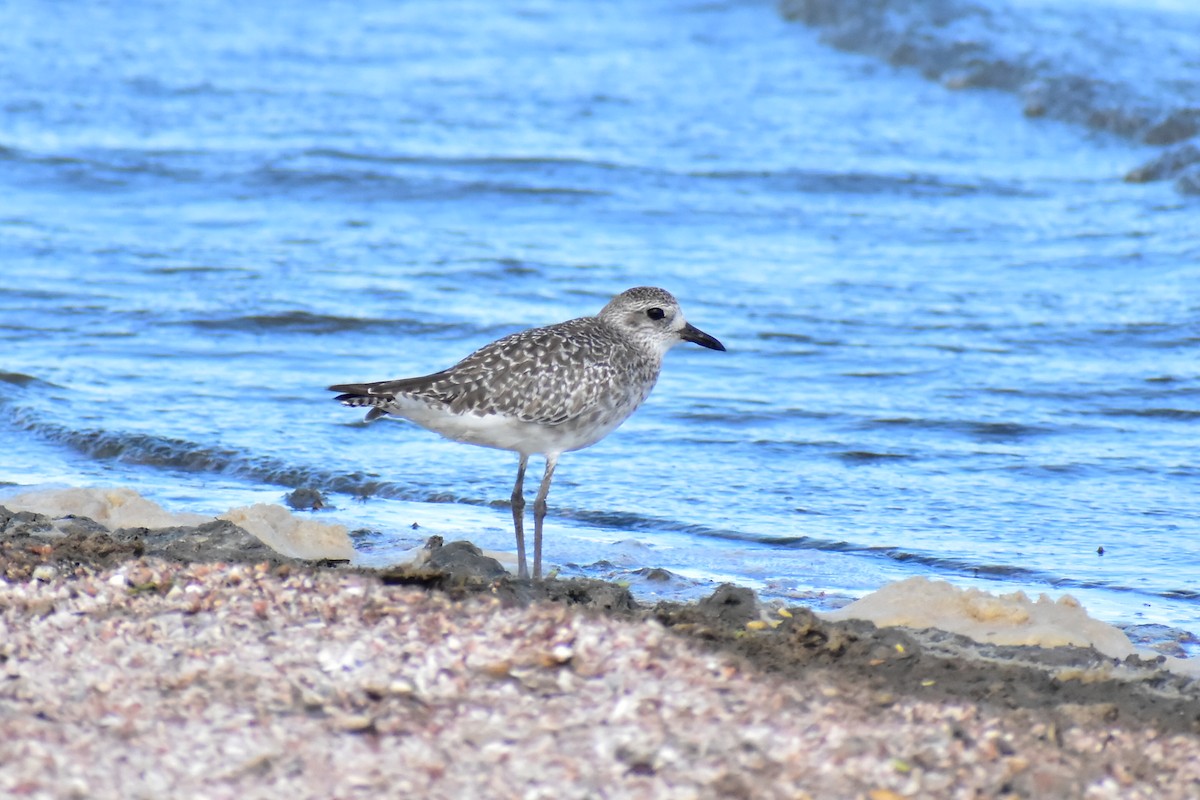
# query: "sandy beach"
139, 664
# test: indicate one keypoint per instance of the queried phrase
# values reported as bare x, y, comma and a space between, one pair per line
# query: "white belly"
509, 433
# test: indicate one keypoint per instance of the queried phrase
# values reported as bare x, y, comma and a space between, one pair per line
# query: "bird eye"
655, 313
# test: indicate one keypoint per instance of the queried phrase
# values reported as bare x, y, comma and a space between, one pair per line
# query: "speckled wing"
547, 376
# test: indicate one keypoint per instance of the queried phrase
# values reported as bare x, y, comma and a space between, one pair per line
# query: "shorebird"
543, 391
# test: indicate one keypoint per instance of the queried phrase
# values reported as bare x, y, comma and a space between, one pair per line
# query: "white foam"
273, 525
1008, 619
112, 508
285, 533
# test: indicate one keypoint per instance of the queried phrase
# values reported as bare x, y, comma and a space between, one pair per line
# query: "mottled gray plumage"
543, 391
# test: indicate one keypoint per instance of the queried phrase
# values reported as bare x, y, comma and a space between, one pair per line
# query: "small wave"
307, 322
382, 175
1183, 414
1126, 71
159, 88
941, 564
987, 431
111, 168
870, 183
542, 162
746, 415
883, 373
785, 336
495, 187
169, 453
1085, 393
427, 186
23, 380
868, 457
23, 156
955, 566
196, 269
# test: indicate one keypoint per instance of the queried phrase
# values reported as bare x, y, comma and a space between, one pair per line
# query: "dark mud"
1063, 686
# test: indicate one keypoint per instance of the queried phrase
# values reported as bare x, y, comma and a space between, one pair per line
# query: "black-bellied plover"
544, 391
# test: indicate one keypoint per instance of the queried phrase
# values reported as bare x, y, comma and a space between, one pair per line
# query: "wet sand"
194, 661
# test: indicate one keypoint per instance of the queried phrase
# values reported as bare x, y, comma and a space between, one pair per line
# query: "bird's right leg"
518, 511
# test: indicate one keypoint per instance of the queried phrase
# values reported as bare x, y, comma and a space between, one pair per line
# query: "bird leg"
539, 514
518, 511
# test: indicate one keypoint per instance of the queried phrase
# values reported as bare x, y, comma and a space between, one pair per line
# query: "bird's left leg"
539, 514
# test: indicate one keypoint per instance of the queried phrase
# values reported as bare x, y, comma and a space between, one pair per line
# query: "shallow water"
959, 345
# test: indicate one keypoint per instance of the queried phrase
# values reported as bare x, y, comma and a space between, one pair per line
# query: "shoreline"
224, 673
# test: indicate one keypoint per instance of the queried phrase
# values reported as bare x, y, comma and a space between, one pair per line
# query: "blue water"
959, 345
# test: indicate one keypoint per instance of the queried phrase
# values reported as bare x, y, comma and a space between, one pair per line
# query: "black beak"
691, 333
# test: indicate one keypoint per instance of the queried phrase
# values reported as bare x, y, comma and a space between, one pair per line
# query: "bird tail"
359, 395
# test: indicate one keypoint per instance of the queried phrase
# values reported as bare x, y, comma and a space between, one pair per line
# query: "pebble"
352, 686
